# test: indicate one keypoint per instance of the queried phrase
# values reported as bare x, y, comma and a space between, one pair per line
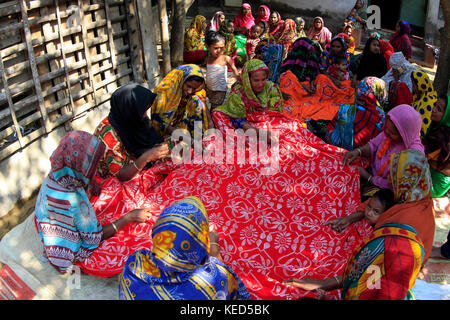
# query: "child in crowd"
337, 73
252, 41
380, 202
216, 69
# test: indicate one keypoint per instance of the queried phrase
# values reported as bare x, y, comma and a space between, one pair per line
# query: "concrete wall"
23, 172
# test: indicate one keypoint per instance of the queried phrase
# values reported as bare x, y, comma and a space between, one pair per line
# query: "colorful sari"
244, 21
179, 266
242, 99
288, 36
303, 60
359, 122
276, 29
322, 105
407, 121
194, 45
322, 36
437, 143
214, 24
126, 133
272, 56
230, 42
386, 264
424, 99
328, 56
65, 218
170, 108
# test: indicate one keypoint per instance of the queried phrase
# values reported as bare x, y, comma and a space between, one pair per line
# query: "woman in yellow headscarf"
180, 101
194, 44
424, 98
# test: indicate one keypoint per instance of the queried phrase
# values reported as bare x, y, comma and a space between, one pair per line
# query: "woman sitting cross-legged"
255, 93
386, 264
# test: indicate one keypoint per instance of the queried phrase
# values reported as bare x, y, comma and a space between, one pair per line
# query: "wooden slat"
66, 68
63, 65
34, 72
10, 103
86, 50
110, 36
132, 53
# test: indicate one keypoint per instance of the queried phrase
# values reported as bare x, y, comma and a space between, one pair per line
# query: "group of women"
115, 202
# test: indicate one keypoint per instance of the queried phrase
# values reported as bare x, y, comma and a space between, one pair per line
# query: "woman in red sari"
244, 20
400, 39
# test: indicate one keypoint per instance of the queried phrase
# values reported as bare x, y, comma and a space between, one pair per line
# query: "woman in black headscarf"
131, 141
371, 63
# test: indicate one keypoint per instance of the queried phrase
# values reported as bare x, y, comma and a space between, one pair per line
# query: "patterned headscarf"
65, 217
425, 99
242, 20
193, 38
287, 36
179, 266
169, 95
214, 23
243, 99
75, 160
266, 14
410, 176
230, 41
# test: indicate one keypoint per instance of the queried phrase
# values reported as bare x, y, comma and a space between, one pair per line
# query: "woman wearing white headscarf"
399, 64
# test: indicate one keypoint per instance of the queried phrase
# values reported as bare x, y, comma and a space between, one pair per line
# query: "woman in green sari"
437, 145
253, 93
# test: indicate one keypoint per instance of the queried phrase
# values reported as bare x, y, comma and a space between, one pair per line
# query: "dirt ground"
18, 214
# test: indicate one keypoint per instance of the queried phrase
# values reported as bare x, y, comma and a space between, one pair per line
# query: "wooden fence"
59, 59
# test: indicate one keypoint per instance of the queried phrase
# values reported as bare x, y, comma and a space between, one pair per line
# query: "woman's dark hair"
265, 25
195, 78
340, 59
386, 198
213, 37
445, 98
367, 46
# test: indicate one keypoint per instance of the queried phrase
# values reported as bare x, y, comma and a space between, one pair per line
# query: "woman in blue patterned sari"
64, 216
180, 265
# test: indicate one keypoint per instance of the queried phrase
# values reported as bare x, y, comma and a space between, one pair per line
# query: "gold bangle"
214, 243
115, 227
135, 165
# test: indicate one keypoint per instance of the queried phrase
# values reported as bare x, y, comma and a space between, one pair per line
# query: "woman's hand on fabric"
339, 224
157, 152
138, 215
350, 156
306, 284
